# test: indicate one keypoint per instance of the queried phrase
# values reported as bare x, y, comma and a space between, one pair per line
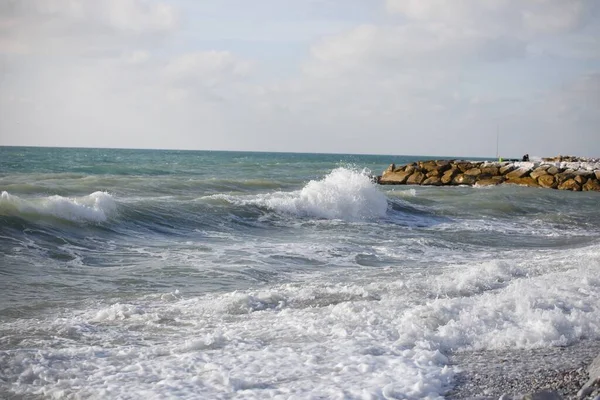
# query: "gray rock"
594, 382
553, 170
505, 169
594, 368
543, 395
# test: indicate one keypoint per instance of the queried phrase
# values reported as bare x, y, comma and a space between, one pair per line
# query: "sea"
158, 274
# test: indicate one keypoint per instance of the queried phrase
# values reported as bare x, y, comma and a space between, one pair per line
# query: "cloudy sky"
420, 77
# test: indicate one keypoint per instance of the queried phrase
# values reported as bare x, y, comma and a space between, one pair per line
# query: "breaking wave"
96, 207
343, 194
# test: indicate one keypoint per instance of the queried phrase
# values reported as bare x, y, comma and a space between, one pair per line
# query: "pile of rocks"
571, 159
576, 176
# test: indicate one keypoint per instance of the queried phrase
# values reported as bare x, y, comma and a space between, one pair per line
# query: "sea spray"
343, 194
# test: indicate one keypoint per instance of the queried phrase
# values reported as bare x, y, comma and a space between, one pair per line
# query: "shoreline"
549, 373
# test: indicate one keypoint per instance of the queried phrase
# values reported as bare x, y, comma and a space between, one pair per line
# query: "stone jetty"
562, 172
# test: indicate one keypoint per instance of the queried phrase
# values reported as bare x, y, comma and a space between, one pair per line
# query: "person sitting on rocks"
526, 157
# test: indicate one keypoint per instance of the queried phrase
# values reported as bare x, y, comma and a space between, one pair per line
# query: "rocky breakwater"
580, 175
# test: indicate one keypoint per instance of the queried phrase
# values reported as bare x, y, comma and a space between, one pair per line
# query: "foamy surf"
96, 207
377, 336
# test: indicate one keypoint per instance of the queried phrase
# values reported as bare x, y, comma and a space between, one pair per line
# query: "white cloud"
137, 57
497, 16
554, 16
50, 26
577, 102
137, 16
94, 73
207, 68
412, 45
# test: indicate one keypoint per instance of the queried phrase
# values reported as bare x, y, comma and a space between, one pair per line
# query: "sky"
412, 77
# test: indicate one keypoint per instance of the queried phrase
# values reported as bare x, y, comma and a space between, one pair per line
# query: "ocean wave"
343, 194
96, 207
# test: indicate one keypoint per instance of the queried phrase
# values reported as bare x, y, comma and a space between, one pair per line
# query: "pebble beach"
549, 373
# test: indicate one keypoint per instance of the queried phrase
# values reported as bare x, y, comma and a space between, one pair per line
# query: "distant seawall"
563, 173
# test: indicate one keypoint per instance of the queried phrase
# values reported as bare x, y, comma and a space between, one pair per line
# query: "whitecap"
96, 207
343, 194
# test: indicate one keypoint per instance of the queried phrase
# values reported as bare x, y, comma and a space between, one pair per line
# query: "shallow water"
130, 273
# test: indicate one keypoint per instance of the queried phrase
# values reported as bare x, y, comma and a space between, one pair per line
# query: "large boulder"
517, 173
410, 168
593, 384
491, 181
569, 184
462, 179
449, 176
435, 172
428, 165
547, 181
394, 178
464, 166
444, 165
592, 185
581, 179
553, 170
505, 169
564, 176
416, 178
433, 181
523, 181
539, 171
473, 172
390, 169
490, 171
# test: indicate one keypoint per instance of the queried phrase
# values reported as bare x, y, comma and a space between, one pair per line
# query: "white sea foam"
96, 207
403, 192
343, 194
378, 336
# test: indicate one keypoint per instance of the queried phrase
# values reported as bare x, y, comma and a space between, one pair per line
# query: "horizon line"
242, 151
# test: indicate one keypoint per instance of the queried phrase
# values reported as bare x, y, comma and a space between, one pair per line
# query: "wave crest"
96, 207
343, 194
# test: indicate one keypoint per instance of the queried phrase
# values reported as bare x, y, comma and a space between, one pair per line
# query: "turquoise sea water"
191, 274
